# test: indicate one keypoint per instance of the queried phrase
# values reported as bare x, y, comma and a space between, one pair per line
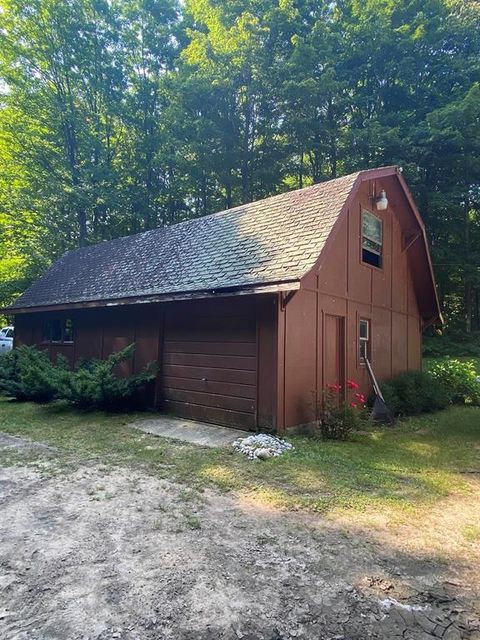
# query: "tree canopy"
117, 116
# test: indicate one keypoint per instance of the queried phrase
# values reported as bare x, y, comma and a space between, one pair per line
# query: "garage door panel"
210, 400
211, 374
210, 365
210, 386
212, 414
238, 325
219, 362
211, 334
211, 348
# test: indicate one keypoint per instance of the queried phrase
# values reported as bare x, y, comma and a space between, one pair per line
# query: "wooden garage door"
210, 366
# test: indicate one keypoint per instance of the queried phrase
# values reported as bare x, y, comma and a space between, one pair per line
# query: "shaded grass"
415, 463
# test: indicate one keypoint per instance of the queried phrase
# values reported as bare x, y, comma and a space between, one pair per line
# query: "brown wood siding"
89, 335
334, 356
266, 313
210, 363
98, 333
300, 374
23, 331
346, 288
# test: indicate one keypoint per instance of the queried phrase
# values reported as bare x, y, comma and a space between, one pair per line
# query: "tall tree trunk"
477, 311
333, 140
245, 170
82, 227
67, 106
228, 190
203, 195
468, 283
468, 306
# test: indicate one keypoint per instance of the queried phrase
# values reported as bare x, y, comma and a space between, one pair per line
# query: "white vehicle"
6, 339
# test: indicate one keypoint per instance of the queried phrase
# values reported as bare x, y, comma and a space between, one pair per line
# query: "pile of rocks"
262, 446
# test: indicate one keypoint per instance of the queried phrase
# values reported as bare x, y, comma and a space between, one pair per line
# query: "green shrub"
459, 379
28, 374
414, 392
95, 385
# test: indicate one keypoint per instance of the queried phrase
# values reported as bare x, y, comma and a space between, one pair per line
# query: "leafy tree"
122, 115
451, 154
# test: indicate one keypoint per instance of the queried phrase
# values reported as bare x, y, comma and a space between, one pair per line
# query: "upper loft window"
372, 239
58, 330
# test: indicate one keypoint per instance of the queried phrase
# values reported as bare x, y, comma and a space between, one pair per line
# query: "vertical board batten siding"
98, 333
301, 374
266, 315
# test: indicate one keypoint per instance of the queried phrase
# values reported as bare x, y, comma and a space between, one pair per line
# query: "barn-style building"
253, 311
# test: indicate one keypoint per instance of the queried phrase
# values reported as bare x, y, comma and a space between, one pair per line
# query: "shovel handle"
375, 384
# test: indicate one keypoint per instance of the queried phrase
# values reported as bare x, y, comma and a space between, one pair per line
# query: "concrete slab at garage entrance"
206, 435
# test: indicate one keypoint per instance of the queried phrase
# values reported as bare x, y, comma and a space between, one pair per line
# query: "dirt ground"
100, 552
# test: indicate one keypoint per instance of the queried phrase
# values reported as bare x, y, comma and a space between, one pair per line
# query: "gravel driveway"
89, 551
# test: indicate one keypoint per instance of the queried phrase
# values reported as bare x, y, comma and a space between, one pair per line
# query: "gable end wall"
345, 287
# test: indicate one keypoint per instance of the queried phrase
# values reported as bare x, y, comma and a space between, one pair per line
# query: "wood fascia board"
377, 174
419, 220
193, 295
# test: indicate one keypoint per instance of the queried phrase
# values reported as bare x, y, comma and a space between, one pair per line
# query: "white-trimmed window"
372, 239
364, 339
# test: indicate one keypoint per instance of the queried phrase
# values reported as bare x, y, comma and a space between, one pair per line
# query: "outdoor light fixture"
382, 201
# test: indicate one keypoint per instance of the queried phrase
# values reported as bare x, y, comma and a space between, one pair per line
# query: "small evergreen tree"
96, 385
27, 373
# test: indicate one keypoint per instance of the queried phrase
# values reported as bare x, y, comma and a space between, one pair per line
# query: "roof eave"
438, 312
288, 285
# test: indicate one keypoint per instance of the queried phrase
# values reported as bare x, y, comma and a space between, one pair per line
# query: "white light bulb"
382, 201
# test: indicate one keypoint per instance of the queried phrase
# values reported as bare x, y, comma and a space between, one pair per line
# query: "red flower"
334, 387
353, 404
351, 384
361, 397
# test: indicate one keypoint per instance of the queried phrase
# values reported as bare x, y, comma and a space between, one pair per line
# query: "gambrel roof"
273, 240
269, 242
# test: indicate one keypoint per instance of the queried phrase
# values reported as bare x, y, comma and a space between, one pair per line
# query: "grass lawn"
400, 469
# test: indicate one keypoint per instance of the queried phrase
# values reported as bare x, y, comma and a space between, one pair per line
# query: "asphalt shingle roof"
269, 241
